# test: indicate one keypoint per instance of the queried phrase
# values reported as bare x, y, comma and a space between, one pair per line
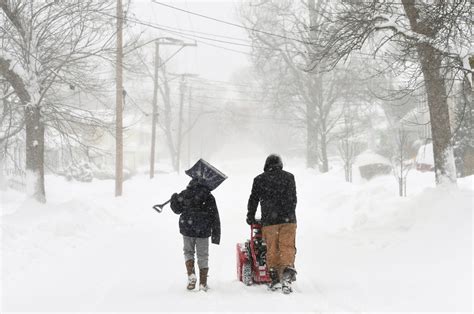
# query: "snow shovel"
205, 173
159, 207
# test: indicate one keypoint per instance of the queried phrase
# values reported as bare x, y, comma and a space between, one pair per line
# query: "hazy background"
234, 128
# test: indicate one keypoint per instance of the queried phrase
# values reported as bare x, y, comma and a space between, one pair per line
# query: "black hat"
273, 162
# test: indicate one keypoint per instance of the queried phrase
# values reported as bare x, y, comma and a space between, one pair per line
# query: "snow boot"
191, 275
275, 283
203, 279
288, 275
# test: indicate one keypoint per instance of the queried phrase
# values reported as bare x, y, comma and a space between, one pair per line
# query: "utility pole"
155, 110
119, 104
189, 123
182, 89
160, 41
201, 109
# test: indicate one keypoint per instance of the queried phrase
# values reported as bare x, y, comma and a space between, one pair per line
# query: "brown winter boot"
191, 274
203, 279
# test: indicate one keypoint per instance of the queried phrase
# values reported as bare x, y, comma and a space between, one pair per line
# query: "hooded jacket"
275, 190
199, 217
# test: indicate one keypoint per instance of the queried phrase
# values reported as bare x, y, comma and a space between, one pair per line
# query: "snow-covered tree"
463, 133
46, 47
283, 34
434, 35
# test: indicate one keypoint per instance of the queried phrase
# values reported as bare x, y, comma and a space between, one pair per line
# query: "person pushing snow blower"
275, 190
199, 219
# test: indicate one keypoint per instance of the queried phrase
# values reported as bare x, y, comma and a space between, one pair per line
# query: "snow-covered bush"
108, 172
80, 172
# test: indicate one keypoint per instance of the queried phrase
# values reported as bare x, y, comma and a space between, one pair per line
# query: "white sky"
207, 61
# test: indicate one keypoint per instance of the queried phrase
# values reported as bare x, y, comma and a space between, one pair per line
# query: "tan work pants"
281, 249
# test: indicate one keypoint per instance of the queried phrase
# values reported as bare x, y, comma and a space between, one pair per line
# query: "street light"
163, 41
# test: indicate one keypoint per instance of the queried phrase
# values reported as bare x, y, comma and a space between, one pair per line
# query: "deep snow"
360, 246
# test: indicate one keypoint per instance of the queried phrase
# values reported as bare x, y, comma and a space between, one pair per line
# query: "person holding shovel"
199, 220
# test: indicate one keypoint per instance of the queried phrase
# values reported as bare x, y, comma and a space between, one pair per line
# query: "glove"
251, 220
176, 198
215, 240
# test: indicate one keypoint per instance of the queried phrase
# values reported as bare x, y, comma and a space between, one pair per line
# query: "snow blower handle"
159, 207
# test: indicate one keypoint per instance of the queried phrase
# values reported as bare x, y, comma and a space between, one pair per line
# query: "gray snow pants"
198, 245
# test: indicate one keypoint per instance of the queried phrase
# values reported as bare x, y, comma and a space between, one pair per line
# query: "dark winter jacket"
275, 189
199, 215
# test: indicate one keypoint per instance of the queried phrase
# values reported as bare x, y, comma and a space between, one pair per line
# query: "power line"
223, 89
227, 83
206, 38
187, 36
228, 23
179, 31
202, 33
193, 37
136, 105
222, 98
225, 48
251, 29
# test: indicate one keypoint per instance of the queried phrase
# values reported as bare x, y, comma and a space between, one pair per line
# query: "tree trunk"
346, 172
312, 128
34, 154
173, 153
311, 143
431, 66
430, 60
154, 117
34, 134
324, 153
119, 104
3, 149
400, 186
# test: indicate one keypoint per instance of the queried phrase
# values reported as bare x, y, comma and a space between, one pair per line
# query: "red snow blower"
251, 258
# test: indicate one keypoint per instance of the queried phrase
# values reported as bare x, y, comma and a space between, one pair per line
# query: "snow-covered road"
360, 247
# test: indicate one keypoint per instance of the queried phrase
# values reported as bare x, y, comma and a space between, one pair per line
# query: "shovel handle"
159, 207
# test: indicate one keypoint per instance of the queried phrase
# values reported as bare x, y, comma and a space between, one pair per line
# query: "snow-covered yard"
360, 246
